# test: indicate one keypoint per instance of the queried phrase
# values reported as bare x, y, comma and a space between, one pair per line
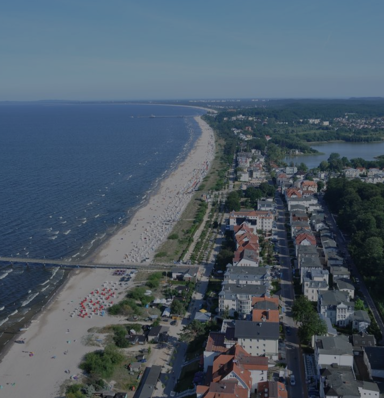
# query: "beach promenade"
55, 342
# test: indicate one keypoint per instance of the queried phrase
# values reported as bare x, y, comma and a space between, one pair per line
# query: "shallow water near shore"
73, 174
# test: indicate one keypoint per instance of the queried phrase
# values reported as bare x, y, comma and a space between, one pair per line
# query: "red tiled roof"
271, 299
274, 389
265, 315
215, 342
224, 389
309, 183
293, 191
301, 237
237, 360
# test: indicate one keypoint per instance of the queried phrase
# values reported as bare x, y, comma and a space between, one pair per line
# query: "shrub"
102, 363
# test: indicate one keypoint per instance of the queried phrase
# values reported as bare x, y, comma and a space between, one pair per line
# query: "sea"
71, 175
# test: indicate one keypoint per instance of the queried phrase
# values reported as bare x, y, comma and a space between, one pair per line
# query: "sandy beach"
152, 223
54, 343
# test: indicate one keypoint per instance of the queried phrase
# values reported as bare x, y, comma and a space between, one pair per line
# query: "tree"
302, 167
324, 165
193, 330
224, 257
359, 304
320, 185
233, 201
177, 307
301, 308
311, 324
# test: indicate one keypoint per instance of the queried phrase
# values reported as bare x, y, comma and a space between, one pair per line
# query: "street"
294, 357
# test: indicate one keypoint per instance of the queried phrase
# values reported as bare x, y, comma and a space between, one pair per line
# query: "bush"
74, 391
126, 307
153, 281
139, 294
102, 363
119, 336
173, 236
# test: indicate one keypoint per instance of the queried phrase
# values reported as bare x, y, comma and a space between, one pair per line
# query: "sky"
184, 49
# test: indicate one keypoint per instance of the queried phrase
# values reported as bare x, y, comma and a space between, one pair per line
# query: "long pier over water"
71, 265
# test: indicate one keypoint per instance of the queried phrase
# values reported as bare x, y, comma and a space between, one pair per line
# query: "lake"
367, 151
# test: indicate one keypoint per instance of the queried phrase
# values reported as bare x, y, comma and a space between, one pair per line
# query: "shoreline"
45, 307
152, 223
22, 374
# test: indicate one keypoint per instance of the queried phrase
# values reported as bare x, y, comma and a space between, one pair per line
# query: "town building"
238, 298
258, 338
336, 306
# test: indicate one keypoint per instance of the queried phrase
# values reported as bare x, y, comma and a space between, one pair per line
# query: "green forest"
360, 215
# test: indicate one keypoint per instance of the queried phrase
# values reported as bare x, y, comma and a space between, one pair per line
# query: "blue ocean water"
71, 174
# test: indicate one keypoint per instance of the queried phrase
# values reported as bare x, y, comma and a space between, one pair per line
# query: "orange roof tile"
265, 315
273, 389
271, 299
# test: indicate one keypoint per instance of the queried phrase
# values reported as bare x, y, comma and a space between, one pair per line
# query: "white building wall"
260, 347
209, 357
368, 393
257, 376
341, 360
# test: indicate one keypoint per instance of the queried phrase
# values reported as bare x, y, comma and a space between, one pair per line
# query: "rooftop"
337, 345
257, 330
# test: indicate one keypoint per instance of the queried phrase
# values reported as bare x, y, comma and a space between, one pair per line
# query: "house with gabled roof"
236, 366
304, 239
345, 285
361, 321
340, 381
336, 306
185, 273
293, 193
224, 389
265, 310
271, 389
307, 185
308, 264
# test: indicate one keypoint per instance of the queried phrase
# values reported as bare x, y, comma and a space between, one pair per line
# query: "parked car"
288, 330
292, 380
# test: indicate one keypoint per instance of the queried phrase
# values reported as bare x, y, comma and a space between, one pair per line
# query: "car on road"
292, 380
357, 280
288, 330
172, 394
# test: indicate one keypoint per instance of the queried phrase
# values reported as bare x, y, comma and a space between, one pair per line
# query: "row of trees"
360, 210
337, 164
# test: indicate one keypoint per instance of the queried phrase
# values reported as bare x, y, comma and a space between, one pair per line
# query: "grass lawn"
186, 377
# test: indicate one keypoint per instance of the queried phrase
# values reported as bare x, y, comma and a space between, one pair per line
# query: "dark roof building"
148, 382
